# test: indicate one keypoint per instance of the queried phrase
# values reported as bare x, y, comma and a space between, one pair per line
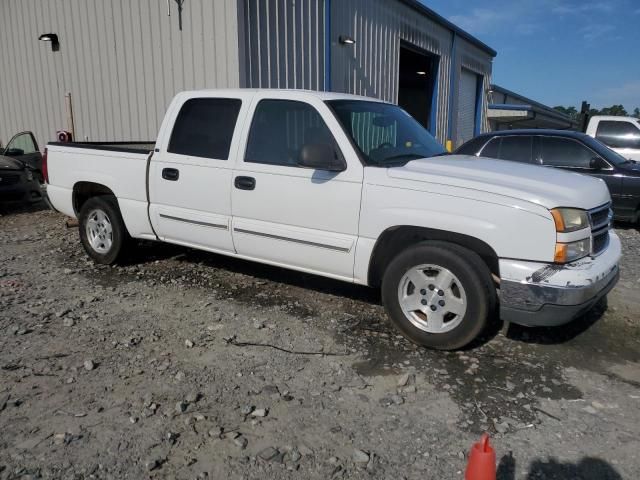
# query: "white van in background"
621, 134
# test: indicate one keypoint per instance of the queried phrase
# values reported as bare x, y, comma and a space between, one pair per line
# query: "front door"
288, 215
190, 175
23, 147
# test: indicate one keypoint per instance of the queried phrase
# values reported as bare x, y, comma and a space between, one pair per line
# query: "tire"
455, 284
102, 230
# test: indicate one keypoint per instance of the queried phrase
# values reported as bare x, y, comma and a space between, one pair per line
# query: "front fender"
509, 229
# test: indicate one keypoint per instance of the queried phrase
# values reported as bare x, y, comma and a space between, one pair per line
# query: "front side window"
516, 148
204, 128
383, 133
22, 144
279, 130
565, 152
618, 134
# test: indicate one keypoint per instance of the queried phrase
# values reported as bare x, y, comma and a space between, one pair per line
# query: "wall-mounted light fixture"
346, 40
51, 37
421, 72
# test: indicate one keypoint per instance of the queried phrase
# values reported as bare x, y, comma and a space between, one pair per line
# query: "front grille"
8, 179
600, 219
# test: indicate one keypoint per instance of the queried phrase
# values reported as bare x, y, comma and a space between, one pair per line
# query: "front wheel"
439, 295
102, 230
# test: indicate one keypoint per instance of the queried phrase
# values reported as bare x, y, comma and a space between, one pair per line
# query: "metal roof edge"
532, 103
417, 5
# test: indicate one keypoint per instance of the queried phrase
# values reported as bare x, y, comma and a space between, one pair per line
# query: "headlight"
569, 252
569, 219
29, 175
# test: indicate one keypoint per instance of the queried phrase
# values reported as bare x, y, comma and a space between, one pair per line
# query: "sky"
558, 52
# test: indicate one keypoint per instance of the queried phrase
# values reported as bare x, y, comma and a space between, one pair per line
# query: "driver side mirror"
597, 163
320, 156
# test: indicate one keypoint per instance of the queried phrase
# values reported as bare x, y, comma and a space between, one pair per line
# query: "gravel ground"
182, 364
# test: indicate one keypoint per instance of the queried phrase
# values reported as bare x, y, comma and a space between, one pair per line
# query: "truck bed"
120, 167
128, 147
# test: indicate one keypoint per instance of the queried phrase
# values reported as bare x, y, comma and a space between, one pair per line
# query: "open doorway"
418, 84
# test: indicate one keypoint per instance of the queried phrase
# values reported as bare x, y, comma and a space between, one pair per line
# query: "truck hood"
540, 185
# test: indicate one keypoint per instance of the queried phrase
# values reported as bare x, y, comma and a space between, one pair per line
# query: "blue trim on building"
433, 117
327, 45
452, 83
509, 106
479, 103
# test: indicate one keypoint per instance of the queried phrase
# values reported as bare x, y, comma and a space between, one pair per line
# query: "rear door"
572, 155
288, 215
517, 148
23, 147
190, 172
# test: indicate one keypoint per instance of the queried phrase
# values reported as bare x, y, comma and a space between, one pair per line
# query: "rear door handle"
171, 174
245, 183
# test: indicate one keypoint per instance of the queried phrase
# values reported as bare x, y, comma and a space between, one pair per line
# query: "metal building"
122, 61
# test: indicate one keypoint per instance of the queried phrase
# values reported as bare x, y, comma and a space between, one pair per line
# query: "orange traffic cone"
482, 461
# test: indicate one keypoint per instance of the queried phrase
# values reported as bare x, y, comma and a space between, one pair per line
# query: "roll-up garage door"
468, 91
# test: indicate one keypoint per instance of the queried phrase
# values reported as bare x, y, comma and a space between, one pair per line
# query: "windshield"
385, 134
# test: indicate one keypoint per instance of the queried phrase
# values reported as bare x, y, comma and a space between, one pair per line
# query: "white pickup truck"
621, 134
353, 189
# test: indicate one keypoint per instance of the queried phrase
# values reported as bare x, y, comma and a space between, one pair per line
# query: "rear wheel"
438, 295
102, 230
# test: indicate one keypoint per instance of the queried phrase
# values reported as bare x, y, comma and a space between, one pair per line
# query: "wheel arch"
83, 191
396, 239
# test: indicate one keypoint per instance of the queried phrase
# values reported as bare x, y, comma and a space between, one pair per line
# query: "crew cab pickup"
353, 189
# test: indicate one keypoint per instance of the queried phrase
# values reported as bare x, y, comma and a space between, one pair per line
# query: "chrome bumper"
549, 294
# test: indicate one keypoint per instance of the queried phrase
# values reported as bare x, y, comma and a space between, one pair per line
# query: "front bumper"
26, 191
541, 294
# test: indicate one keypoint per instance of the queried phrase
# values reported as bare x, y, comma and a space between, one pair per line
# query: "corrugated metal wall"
284, 44
122, 61
370, 67
472, 58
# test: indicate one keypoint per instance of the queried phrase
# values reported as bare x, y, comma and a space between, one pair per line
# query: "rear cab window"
619, 133
204, 128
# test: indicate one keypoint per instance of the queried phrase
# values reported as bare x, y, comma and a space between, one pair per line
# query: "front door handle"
245, 183
171, 174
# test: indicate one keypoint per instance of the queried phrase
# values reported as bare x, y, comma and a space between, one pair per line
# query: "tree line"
617, 110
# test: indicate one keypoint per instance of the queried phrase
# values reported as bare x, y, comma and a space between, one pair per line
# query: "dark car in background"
21, 170
18, 182
24, 148
568, 150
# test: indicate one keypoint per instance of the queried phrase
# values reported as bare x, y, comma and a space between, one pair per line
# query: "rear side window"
565, 152
472, 147
491, 149
618, 134
516, 148
280, 129
204, 128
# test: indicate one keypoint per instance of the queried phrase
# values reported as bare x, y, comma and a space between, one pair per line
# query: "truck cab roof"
322, 95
